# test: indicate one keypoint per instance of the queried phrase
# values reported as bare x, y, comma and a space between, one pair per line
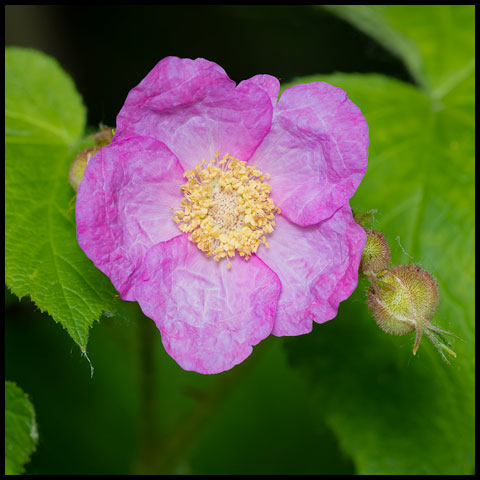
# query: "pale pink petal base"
318, 268
316, 152
123, 206
209, 316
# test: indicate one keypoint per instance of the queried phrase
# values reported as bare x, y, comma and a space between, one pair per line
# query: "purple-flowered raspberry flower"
224, 213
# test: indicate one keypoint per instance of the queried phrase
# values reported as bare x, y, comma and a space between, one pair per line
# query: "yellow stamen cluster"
226, 207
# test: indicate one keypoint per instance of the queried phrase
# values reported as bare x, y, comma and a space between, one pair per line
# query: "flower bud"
376, 254
78, 166
414, 299
75, 174
408, 306
363, 218
103, 137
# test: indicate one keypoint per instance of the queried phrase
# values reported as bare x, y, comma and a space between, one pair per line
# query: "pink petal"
318, 268
316, 152
195, 109
123, 206
209, 317
270, 84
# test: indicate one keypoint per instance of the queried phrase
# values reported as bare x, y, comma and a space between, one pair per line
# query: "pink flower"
216, 296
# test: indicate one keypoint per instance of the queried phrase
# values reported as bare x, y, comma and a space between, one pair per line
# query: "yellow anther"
226, 209
229, 265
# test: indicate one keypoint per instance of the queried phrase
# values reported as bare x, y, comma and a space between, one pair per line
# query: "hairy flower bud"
364, 218
75, 174
78, 166
104, 137
414, 299
376, 254
409, 306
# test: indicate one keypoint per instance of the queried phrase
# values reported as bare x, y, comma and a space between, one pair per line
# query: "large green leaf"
20, 429
395, 413
44, 122
436, 42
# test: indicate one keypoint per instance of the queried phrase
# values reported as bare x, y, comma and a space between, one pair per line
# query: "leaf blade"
42, 256
434, 41
21, 434
420, 180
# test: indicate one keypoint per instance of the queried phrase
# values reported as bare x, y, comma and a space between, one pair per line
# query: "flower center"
226, 207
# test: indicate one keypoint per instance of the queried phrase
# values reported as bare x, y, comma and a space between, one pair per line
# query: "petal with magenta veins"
123, 206
318, 268
268, 83
316, 151
195, 109
209, 316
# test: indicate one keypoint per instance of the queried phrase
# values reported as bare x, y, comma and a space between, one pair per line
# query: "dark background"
109, 49
91, 425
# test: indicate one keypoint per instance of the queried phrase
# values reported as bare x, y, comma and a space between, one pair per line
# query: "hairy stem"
418, 337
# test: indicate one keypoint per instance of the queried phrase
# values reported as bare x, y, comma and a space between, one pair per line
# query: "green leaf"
20, 429
10, 299
435, 41
395, 413
44, 123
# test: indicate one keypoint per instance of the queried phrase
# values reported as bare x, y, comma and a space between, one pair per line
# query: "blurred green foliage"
251, 419
344, 399
20, 429
393, 413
